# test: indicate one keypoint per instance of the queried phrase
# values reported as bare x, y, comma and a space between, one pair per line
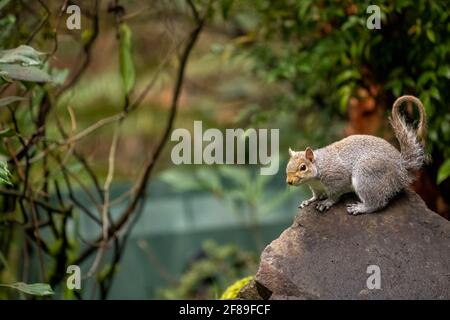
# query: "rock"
326, 255
254, 291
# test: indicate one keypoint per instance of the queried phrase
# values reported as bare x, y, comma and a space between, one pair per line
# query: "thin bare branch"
141, 186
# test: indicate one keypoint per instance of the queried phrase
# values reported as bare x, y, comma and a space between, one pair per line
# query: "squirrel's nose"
289, 181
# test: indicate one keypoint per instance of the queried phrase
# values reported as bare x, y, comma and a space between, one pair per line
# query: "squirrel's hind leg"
373, 193
360, 208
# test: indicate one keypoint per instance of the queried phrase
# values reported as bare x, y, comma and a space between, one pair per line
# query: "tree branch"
141, 187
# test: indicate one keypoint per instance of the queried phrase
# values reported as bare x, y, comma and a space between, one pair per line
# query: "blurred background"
86, 116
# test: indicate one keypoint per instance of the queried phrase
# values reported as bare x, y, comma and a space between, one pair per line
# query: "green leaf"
434, 92
23, 55
106, 272
444, 171
426, 77
351, 22
8, 100
7, 133
344, 96
238, 176
444, 71
125, 58
3, 3
408, 82
180, 180
209, 179
18, 72
397, 88
303, 9
4, 77
36, 289
237, 195
346, 76
225, 6
4, 262
231, 293
59, 76
5, 175
86, 36
431, 36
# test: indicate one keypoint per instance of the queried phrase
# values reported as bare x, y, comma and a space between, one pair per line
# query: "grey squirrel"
367, 165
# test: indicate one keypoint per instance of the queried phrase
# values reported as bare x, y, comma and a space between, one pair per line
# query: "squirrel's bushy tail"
412, 142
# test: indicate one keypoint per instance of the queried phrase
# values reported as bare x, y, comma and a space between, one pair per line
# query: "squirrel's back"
354, 148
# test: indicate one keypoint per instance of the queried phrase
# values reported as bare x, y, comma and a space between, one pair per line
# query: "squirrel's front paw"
304, 203
324, 205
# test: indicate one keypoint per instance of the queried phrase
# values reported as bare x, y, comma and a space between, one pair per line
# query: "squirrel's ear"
309, 154
291, 153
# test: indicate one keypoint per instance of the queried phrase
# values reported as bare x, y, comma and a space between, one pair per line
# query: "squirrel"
364, 164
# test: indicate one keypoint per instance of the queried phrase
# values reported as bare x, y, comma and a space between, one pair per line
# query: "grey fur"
371, 167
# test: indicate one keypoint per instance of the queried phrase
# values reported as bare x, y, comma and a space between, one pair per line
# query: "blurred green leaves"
444, 171
233, 290
23, 55
239, 185
36, 289
3, 3
8, 100
7, 133
208, 276
125, 58
5, 175
225, 6
324, 54
16, 72
22, 63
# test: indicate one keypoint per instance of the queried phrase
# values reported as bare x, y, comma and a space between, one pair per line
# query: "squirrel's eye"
302, 167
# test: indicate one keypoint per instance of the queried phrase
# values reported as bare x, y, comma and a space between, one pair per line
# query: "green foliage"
324, 53
107, 271
8, 100
11, 72
211, 274
22, 64
7, 21
36, 289
5, 175
232, 291
3, 3
23, 55
7, 133
225, 7
444, 171
125, 58
231, 183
